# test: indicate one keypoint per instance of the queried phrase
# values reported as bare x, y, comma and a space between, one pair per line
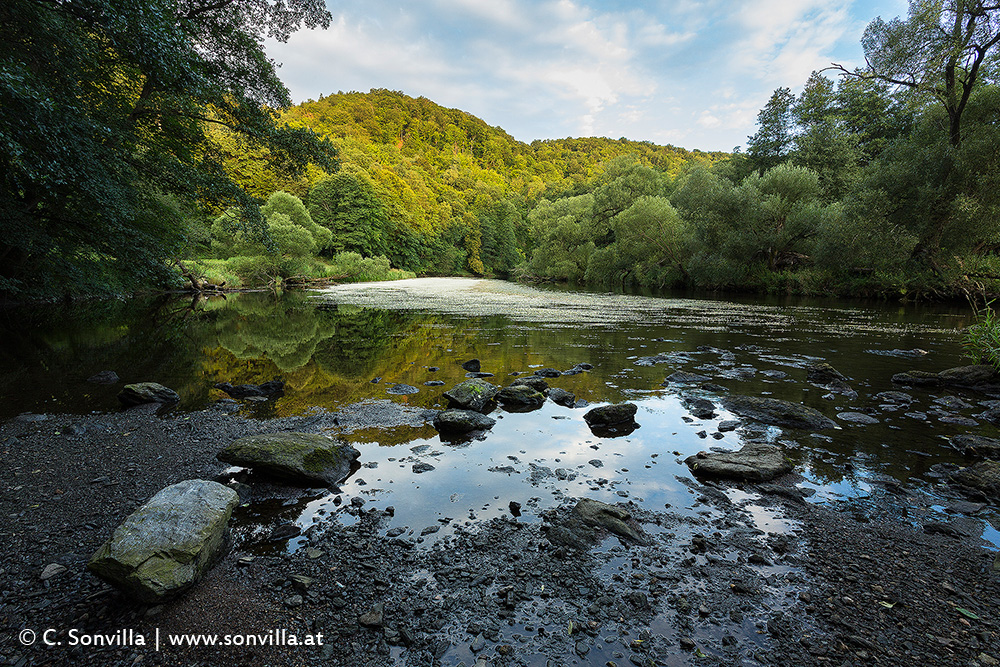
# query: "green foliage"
347, 206
770, 145
104, 106
564, 244
982, 339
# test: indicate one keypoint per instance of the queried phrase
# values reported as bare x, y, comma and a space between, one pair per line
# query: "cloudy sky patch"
689, 72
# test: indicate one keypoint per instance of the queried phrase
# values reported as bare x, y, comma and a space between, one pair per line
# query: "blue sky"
691, 73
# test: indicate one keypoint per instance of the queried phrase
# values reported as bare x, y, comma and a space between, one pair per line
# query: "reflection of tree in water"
284, 329
358, 338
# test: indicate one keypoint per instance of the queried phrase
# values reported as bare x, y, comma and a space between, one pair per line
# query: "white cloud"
687, 72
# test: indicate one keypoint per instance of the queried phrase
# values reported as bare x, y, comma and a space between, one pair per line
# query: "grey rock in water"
147, 392
755, 462
548, 373
562, 397
274, 387
702, 408
777, 412
612, 421
983, 478
856, 418
297, 457
683, 377
402, 390
590, 521
979, 377
472, 365
609, 415
167, 545
535, 382
976, 446
462, 421
520, 396
474, 394
104, 377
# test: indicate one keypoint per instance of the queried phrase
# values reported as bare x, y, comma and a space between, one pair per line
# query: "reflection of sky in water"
641, 467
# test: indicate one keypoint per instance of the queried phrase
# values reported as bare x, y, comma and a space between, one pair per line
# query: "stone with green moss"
474, 394
297, 457
167, 545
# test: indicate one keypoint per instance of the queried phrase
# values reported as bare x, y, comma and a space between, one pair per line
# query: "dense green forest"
140, 147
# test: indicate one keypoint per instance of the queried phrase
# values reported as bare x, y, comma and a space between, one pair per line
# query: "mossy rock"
166, 546
297, 457
474, 394
147, 392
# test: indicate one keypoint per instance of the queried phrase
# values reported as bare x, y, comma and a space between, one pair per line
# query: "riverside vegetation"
893, 166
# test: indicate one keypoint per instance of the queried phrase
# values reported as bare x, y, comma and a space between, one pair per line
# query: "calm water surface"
352, 343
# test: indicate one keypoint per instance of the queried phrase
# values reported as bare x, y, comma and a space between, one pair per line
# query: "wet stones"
472, 366
104, 377
548, 373
296, 457
755, 462
590, 521
612, 420
976, 446
683, 377
474, 394
561, 397
856, 418
402, 390
165, 546
701, 408
462, 421
979, 377
777, 412
828, 377
520, 397
146, 392
535, 382
982, 478
274, 387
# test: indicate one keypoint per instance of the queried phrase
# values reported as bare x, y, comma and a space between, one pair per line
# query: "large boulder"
755, 462
147, 392
165, 546
474, 394
298, 457
462, 421
777, 412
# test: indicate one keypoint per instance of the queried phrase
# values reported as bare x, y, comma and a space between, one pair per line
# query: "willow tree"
104, 110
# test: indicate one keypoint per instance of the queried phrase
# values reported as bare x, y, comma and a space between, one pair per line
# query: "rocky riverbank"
754, 576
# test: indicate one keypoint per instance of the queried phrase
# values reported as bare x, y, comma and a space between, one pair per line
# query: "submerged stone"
777, 412
979, 377
298, 457
166, 546
755, 462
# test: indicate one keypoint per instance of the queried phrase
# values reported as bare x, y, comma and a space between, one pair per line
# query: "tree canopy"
105, 107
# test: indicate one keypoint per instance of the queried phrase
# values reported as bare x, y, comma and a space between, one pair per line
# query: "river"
352, 343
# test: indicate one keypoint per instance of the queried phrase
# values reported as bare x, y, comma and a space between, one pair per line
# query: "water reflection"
352, 343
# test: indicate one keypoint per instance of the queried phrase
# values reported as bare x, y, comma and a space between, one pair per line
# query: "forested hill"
439, 190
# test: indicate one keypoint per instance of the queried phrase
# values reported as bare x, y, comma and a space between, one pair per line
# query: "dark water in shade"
329, 346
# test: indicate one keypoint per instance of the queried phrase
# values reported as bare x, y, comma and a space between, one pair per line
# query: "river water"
353, 343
